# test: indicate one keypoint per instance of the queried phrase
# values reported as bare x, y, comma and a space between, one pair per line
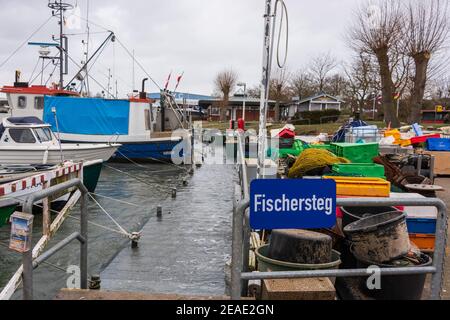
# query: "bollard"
95, 283
185, 182
174, 193
159, 211
135, 237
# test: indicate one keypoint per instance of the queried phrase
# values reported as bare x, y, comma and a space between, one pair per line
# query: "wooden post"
46, 217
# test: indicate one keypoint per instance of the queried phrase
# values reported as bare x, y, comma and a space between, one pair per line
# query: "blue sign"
292, 204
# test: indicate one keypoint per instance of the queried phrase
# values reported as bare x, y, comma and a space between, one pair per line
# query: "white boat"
29, 141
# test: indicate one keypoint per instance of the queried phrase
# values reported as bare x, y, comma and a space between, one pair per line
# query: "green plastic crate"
295, 151
368, 170
322, 147
357, 152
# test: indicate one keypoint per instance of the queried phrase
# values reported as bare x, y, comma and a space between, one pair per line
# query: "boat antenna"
59, 135
58, 10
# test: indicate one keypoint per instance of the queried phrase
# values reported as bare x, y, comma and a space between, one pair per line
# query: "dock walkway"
185, 252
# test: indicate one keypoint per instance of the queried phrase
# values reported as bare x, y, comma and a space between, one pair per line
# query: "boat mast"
59, 8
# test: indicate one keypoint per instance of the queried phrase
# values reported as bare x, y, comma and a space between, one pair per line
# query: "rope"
25, 42
112, 219
153, 159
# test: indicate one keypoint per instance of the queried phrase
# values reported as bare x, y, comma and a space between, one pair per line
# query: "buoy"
159, 212
174, 193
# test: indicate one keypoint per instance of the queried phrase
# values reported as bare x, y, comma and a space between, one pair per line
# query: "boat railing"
241, 238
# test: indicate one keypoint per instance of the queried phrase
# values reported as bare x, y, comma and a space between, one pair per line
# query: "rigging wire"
40, 74
138, 63
25, 42
34, 70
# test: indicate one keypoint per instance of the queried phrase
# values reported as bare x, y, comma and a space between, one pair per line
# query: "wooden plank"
298, 289
70, 294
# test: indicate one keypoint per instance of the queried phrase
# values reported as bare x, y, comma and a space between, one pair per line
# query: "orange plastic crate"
424, 242
362, 187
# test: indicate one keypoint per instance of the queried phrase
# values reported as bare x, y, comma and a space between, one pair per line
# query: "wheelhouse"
27, 130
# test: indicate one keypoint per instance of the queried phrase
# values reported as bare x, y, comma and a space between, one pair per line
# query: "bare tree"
320, 68
279, 89
376, 31
225, 83
363, 81
301, 84
425, 34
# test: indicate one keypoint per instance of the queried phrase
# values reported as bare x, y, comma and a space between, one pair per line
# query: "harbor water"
182, 253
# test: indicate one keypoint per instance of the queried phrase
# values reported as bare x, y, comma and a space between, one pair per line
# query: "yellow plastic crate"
394, 133
362, 187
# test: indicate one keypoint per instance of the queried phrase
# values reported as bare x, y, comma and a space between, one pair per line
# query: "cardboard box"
441, 162
298, 289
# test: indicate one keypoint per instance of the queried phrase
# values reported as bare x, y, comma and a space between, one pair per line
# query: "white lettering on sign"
285, 204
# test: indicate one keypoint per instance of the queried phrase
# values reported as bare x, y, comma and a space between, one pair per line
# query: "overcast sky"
199, 37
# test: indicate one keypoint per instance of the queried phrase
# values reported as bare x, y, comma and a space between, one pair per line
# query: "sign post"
292, 204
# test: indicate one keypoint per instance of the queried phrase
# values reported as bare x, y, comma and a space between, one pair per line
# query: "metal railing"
239, 269
27, 258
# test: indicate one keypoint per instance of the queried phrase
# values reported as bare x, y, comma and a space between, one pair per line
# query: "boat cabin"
134, 116
26, 130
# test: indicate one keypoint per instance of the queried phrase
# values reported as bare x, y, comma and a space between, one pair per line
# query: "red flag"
168, 81
178, 81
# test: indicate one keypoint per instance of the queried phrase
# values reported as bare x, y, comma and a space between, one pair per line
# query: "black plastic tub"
380, 238
353, 214
407, 287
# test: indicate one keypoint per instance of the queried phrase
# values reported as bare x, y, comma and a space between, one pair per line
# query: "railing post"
84, 245
27, 257
439, 253
27, 275
236, 251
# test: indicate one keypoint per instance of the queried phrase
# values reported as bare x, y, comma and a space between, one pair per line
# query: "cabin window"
22, 102
147, 119
22, 135
43, 134
39, 103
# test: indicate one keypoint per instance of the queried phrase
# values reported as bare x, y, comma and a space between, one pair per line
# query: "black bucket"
353, 214
407, 287
381, 238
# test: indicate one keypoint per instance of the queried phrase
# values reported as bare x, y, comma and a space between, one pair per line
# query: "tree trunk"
224, 109
420, 80
390, 114
277, 112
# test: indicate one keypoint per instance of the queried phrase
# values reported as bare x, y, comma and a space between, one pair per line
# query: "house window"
22, 102
22, 135
39, 103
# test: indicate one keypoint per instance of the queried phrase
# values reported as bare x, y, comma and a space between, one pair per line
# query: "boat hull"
151, 151
28, 156
140, 148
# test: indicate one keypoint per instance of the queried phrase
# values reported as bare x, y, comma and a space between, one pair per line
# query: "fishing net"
313, 159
